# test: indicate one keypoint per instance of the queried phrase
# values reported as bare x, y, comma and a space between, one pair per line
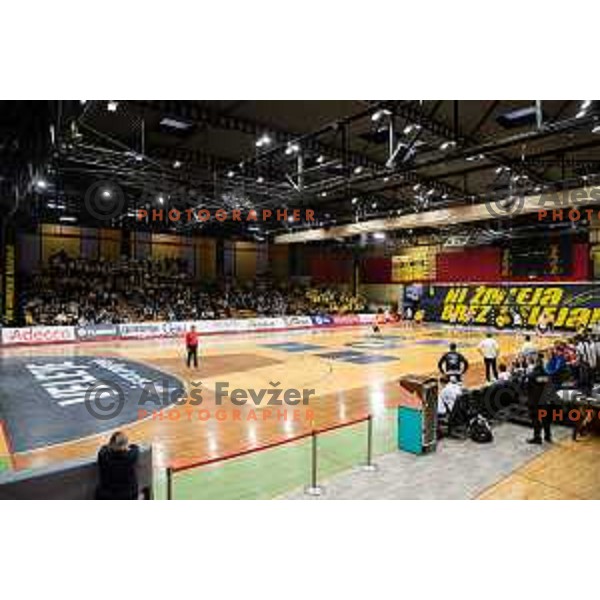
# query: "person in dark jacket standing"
117, 464
453, 363
540, 393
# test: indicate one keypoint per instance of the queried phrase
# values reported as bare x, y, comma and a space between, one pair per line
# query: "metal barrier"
313, 487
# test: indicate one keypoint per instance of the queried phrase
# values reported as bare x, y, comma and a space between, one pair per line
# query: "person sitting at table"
504, 373
449, 394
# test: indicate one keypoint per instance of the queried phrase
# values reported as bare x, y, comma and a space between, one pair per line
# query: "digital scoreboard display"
538, 258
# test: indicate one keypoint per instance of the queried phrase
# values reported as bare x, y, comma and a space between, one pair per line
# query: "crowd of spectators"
537, 373
71, 291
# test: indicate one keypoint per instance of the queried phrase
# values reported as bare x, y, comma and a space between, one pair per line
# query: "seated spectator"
448, 395
504, 374
528, 348
556, 366
117, 463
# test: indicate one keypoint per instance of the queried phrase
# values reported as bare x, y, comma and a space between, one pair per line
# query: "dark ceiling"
347, 160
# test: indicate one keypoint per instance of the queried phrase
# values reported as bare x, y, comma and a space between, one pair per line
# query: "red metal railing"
313, 434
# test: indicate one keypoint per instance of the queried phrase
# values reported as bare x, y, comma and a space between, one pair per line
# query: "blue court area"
47, 400
293, 347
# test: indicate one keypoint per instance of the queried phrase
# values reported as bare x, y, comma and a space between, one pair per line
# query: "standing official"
489, 349
540, 395
191, 344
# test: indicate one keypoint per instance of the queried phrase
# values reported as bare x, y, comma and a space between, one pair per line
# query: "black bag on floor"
480, 430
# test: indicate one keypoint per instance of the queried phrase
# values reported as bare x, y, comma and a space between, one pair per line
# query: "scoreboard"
538, 258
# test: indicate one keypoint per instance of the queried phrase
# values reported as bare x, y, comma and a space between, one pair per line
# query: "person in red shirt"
191, 343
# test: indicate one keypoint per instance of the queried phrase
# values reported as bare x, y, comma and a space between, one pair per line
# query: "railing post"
370, 466
169, 483
314, 489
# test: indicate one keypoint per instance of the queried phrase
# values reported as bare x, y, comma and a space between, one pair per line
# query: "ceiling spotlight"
380, 113
502, 169
475, 157
106, 194
176, 164
260, 179
374, 205
354, 200
323, 194
41, 184
290, 219
538, 189
596, 129
431, 192
358, 170
386, 179
580, 114
410, 128
292, 149
264, 140
320, 159
447, 145
379, 235
139, 157
444, 196
585, 105
416, 187
112, 106
230, 174
161, 199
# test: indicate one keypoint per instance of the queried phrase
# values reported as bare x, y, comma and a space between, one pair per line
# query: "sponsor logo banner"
570, 306
346, 320
141, 330
366, 318
297, 321
37, 335
320, 320
95, 332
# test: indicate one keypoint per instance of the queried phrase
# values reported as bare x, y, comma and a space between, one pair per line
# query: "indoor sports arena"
357, 299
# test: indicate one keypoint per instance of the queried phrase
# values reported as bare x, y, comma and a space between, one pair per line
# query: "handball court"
349, 372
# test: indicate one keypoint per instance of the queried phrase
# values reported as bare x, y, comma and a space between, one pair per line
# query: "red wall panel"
484, 265
472, 264
376, 269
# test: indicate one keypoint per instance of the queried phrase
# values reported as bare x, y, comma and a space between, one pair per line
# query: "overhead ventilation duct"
520, 117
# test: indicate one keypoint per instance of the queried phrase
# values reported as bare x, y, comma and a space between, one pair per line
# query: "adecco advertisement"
47, 335
37, 335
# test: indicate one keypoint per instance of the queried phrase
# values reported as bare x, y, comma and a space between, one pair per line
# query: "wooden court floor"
346, 386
